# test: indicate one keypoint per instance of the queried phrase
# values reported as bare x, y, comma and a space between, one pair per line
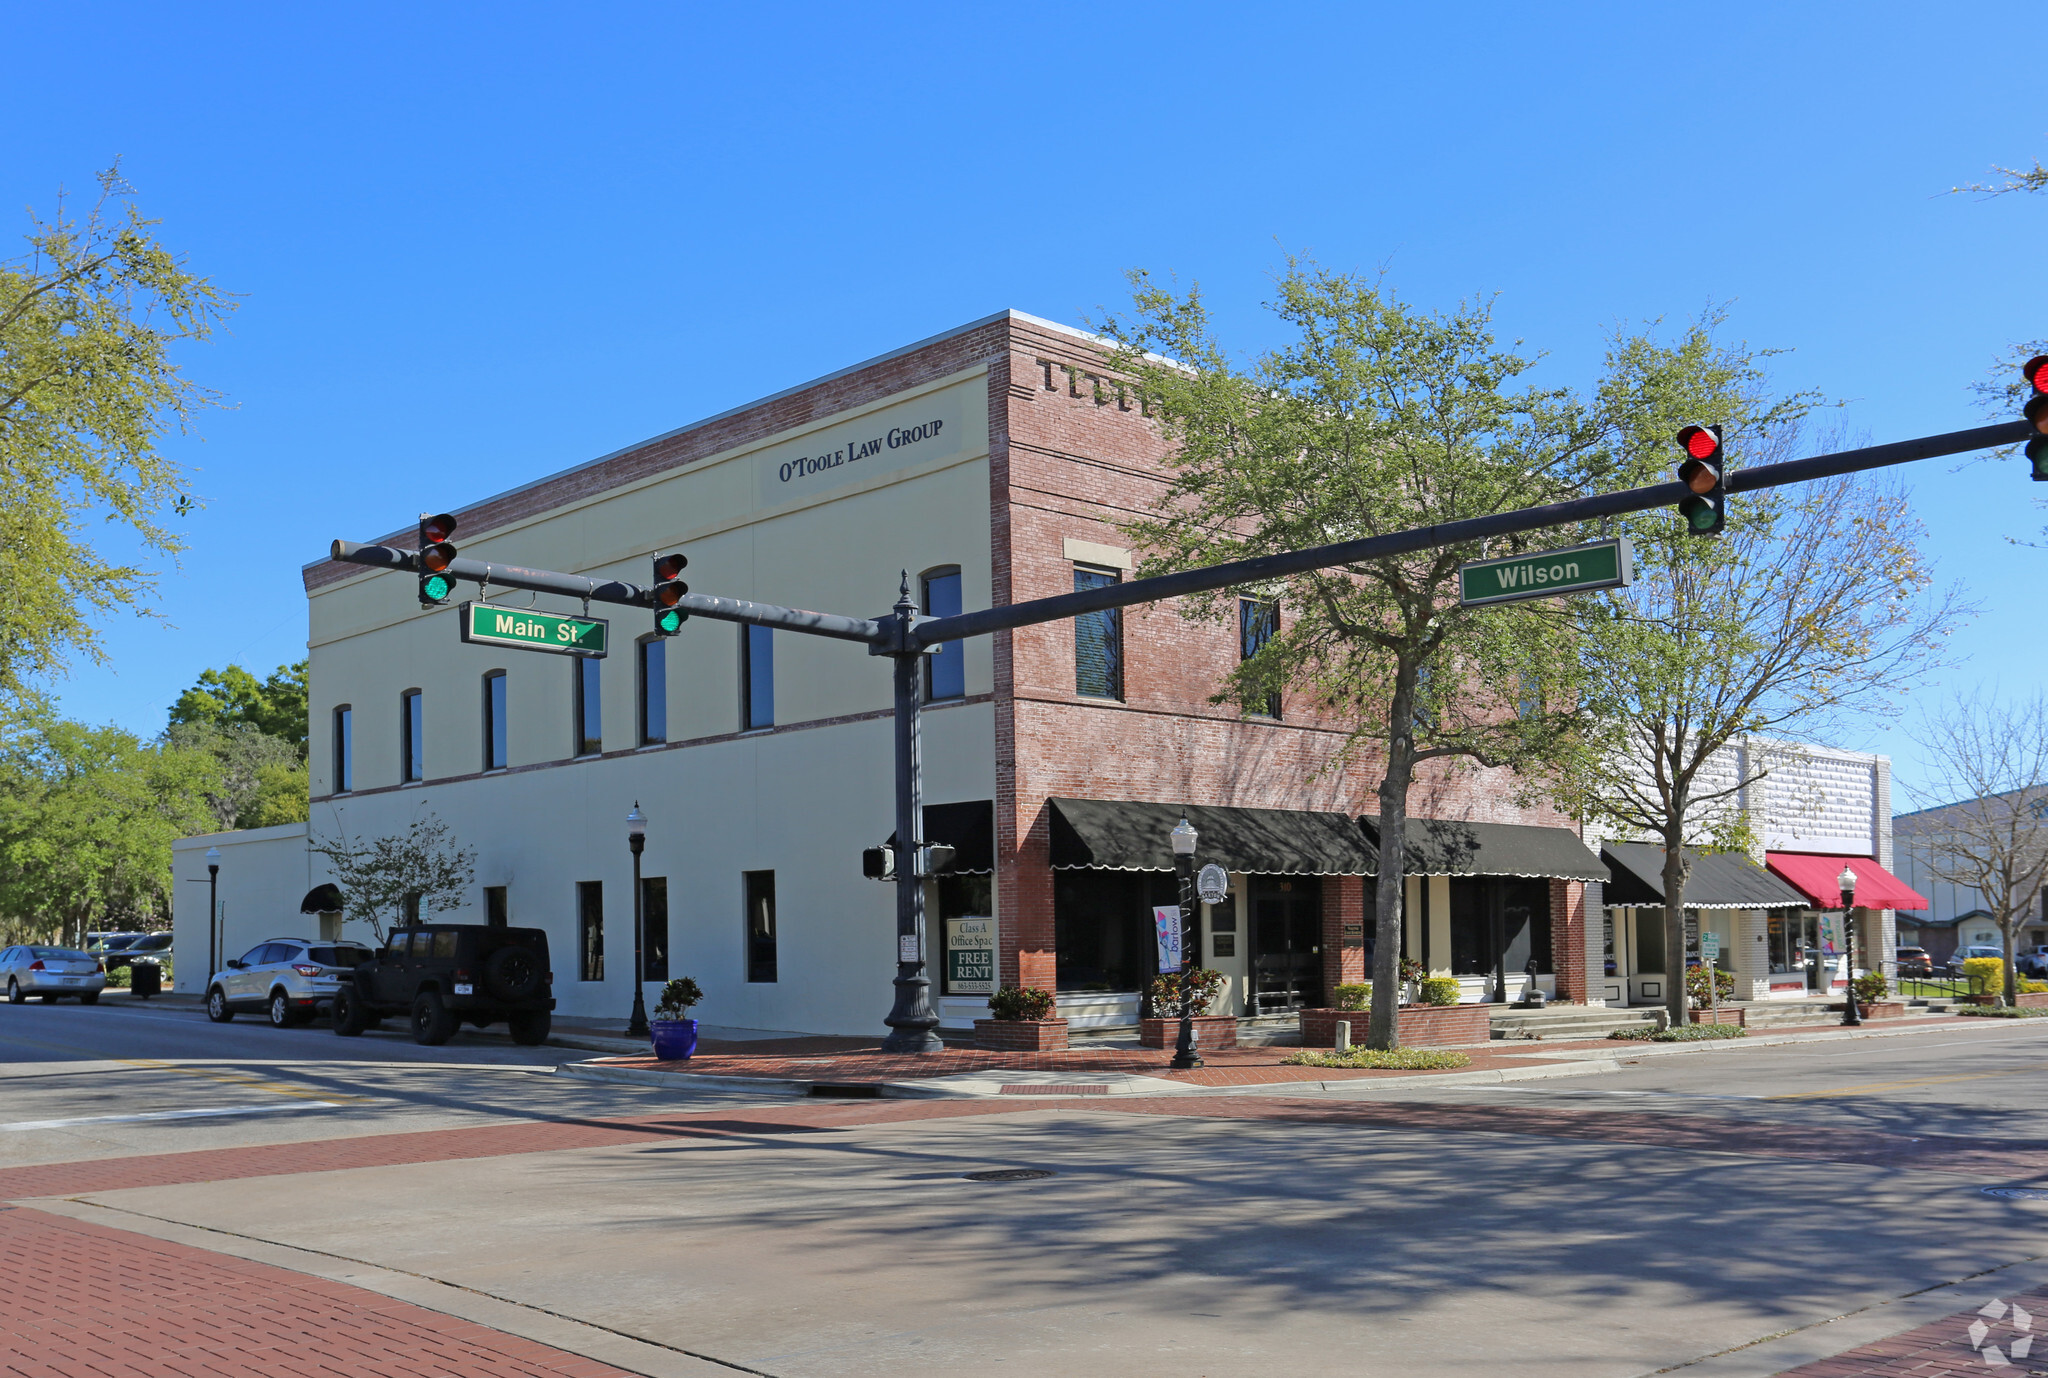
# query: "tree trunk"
1674, 930
2008, 929
1383, 1029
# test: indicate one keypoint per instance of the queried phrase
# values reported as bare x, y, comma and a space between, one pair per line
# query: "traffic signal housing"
668, 591
1704, 505
2036, 371
436, 554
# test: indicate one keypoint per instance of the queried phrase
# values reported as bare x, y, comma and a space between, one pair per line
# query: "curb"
694, 1081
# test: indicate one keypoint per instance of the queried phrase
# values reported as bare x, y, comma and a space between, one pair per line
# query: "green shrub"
1872, 987
2033, 987
1440, 990
1204, 983
1696, 986
1356, 996
2001, 1012
1412, 970
1684, 1033
1022, 1003
677, 997
1384, 1060
1986, 975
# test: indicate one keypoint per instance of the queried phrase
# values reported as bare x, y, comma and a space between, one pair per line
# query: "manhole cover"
1010, 1174
2015, 1193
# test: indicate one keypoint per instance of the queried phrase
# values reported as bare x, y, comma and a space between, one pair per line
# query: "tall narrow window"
495, 749
344, 749
760, 887
1098, 640
654, 928
590, 930
412, 737
1258, 622
497, 912
945, 670
653, 691
757, 679
589, 734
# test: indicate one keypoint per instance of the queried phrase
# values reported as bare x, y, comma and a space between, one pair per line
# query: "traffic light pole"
906, 636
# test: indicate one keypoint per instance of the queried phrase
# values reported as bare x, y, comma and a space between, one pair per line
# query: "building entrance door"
1287, 942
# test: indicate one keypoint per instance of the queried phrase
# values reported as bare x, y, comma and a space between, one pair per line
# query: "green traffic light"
669, 621
437, 587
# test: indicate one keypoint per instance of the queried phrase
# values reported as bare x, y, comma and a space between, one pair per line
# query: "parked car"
50, 973
2033, 961
1964, 954
290, 979
123, 949
1915, 961
441, 975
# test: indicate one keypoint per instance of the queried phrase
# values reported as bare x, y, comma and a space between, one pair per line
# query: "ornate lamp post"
212, 912
1184, 837
636, 838
1846, 882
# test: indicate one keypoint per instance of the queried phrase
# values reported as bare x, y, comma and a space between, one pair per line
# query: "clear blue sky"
479, 244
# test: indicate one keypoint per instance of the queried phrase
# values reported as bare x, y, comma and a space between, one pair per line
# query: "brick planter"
1421, 1026
1021, 1035
2034, 1001
1211, 1031
1882, 1009
1722, 1015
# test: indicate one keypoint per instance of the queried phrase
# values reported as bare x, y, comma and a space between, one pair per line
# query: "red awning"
1814, 876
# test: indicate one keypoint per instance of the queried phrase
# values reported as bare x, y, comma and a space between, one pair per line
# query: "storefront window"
1650, 940
966, 909
1102, 928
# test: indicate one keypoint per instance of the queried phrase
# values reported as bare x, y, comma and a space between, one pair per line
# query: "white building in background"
1956, 915
1775, 912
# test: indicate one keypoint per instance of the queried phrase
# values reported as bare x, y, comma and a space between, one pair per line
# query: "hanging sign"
491, 625
1545, 574
970, 956
1213, 885
1166, 922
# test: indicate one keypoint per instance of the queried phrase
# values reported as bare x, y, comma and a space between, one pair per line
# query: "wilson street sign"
1547, 573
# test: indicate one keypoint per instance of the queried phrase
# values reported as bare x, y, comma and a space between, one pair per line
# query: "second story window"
496, 745
1098, 640
589, 727
653, 691
412, 737
344, 749
945, 670
1258, 622
757, 678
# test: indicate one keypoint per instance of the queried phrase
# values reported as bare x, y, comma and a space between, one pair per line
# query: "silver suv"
290, 979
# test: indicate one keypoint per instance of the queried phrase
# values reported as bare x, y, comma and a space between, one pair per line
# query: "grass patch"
1933, 990
1395, 1060
1685, 1033
1996, 1012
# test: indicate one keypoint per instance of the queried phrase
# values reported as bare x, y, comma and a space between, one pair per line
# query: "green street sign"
534, 631
1546, 574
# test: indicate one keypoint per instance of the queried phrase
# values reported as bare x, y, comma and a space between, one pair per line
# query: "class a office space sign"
1547, 573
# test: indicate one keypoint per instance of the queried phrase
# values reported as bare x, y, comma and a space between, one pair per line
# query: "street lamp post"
1184, 838
212, 910
636, 838
1846, 882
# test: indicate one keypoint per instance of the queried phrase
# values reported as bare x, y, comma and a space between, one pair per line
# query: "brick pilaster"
1568, 938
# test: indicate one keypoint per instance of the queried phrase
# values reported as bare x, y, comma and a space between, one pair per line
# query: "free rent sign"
534, 631
1546, 574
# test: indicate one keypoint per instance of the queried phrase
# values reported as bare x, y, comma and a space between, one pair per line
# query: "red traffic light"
669, 566
1701, 442
436, 529
2035, 371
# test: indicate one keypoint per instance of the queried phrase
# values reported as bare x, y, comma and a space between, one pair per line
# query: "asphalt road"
1728, 1212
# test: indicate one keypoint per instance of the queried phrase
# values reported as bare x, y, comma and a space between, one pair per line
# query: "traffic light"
2037, 415
1703, 506
668, 591
436, 554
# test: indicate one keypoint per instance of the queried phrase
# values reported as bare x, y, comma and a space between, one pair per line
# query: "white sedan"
51, 972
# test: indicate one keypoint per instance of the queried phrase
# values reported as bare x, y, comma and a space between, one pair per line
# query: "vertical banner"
1166, 922
970, 956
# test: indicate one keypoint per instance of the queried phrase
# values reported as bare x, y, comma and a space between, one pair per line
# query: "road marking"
172, 1115
1873, 1087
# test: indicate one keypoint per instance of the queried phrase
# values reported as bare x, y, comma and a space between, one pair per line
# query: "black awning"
322, 899
1444, 847
1717, 880
969, 829
1111, 835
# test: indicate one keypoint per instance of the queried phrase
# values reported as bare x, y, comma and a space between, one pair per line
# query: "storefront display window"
1102, 923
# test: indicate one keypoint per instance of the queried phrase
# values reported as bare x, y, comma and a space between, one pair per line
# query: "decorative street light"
212, 910
636, 838
1184, 837
1846, 883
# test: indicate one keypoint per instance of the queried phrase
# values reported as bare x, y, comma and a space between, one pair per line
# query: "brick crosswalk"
1998, 1337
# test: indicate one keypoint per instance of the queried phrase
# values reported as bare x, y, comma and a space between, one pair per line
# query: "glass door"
1287, 942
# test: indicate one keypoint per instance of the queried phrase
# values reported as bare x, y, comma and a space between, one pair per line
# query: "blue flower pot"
674, 1039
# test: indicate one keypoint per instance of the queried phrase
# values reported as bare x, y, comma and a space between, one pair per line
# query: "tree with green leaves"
1813, 610
260, 780
275, 706
90, 318
388, 880
1372, 417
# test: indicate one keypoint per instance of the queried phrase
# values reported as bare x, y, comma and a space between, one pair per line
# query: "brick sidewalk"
1950, 1347
85, 1300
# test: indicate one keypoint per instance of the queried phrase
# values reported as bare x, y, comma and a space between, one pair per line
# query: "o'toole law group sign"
1547, 573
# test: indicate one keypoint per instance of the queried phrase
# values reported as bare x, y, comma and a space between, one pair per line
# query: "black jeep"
442, 974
